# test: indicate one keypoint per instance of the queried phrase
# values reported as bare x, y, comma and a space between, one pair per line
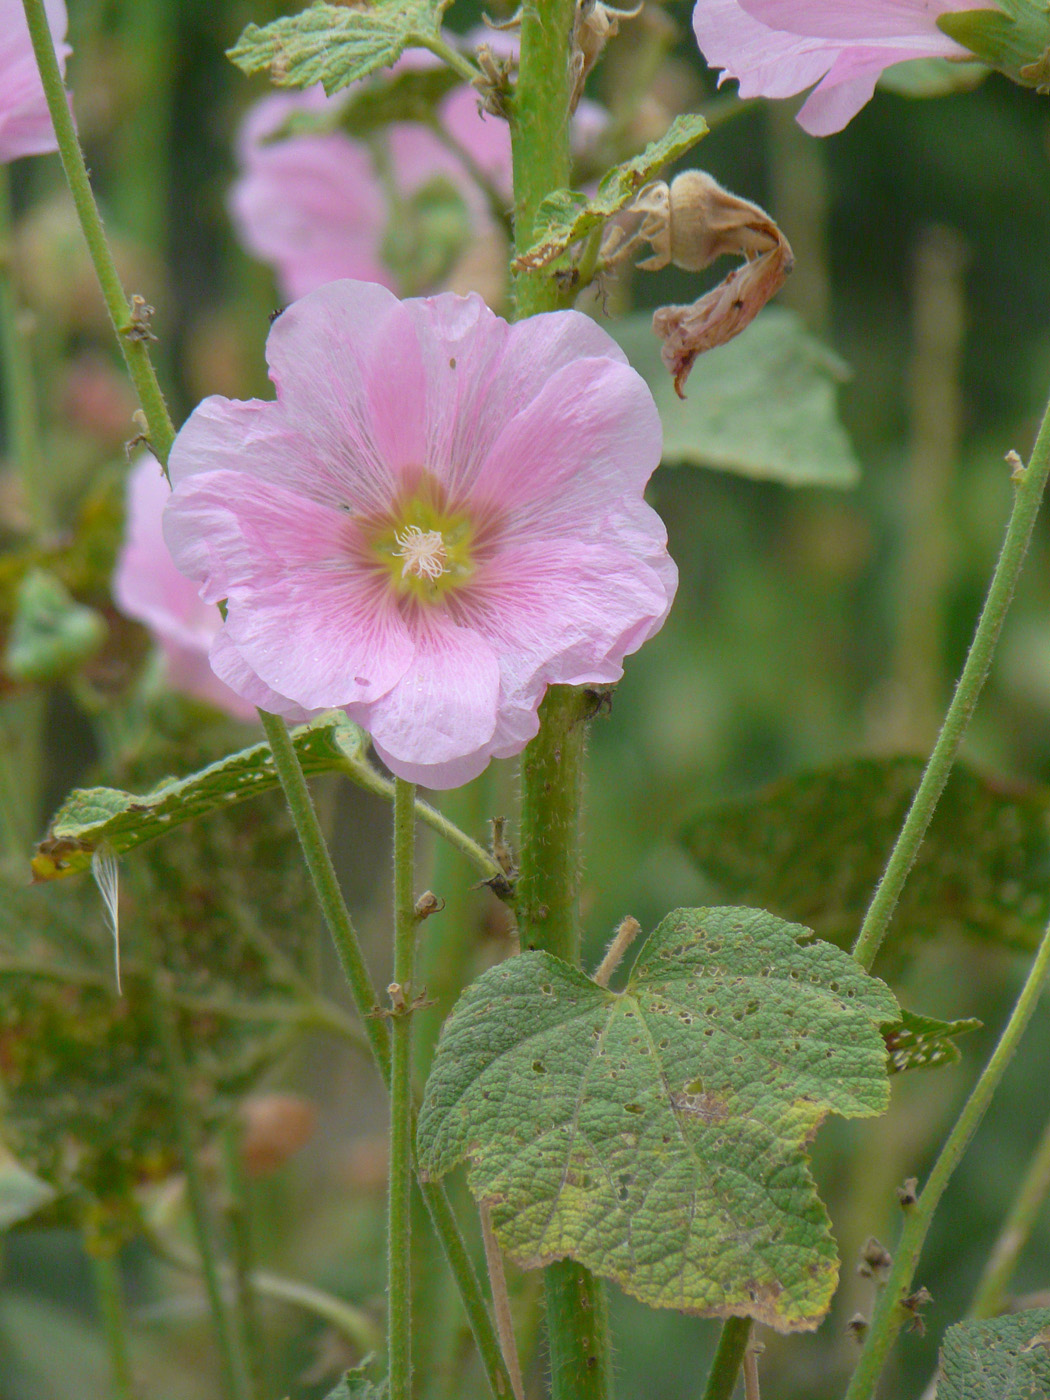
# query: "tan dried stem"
622, 940
501, 1301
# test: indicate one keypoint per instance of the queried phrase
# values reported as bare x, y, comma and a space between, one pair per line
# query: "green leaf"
21, 1193
90, 816
1007, 1358
334, 44
920, 1042
813, 846
566, 216
657, 1135
932, 77
761, 406
357, 1385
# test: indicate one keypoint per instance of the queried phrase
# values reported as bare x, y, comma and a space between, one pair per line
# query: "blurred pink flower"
314, 206
439, 516
25, 124
776, 48
148, 587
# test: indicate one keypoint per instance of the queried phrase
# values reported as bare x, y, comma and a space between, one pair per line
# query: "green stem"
365, 776
19, 401
337, 917
451, 57
891, 1314
109, 1293
399, 1231
239, 1228
729, 1357
552, 765
236, 1384
1027, 499
129, 335
326, 885
990, 1298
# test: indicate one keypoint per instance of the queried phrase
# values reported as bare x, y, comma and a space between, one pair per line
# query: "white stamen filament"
423, 552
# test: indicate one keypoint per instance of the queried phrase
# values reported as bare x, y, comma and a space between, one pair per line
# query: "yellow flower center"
427, 549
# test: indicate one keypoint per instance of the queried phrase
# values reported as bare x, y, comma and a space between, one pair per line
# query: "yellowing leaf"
657, 1135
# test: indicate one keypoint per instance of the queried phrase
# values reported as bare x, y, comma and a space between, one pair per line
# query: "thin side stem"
729, 1357
990, 1298
239, 1228
337, 917
1030, 483
235, 1373
132, 334
109, 1293
890, 1313
399, 1229
451, 57
19, 390
326, 886
500, 1299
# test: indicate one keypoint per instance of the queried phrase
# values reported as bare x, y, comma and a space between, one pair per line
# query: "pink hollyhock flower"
439, 516
776, 48
148, 587
315, 207
25, 124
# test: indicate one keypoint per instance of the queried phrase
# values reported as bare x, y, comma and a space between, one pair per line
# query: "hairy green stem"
399, 1228
235, 1373
326, 885
729, 1357
990, 1297
109, 1293
552, 765
239, 1229
891, 1314
132, 334
450, 56
337, 917
1030, 483
21, 419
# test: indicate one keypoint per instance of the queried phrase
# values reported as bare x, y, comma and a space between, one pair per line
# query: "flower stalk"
729, 1357
132, 334
891, 1313
552, 765
399, 1232
1030, 483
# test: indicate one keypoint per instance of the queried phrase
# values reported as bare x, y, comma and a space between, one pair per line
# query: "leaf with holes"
1007, 1358
657, 1135
813, 846
336, 44
566, 216
91, 816
920, 1042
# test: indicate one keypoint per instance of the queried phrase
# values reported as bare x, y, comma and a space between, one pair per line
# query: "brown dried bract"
594, 26
692, 222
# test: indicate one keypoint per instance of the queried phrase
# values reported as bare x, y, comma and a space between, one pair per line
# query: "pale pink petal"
445, 706
591, 434
876, 22
287, 567
235, 673
766, 62
148, 587
25, 123
473, 362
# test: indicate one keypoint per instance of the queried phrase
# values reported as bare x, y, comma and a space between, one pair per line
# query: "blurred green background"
810, 626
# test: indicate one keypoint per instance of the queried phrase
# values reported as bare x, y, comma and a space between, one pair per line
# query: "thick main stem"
1031, 482
132, 335
399, 1230
551, 769
891, 1314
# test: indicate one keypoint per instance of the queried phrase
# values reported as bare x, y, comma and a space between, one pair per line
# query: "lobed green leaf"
91, 816
565, 216
658, 1135
1007, 1358
762, 406
813, 846
334, 44
921, 1042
